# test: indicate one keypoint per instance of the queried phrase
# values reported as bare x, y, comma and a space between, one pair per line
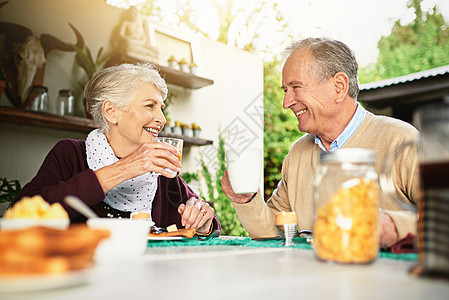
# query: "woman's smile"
152, 130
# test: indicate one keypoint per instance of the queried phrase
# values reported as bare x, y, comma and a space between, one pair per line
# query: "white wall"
233, 103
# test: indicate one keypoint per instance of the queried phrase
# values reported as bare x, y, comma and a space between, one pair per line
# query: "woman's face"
140, 122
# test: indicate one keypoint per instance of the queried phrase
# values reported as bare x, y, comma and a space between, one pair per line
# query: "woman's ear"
110, 112
341, 83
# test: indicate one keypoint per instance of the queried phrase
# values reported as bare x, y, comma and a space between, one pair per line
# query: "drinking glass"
177, 143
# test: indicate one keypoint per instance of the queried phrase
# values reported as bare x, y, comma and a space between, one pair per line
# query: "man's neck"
338, 127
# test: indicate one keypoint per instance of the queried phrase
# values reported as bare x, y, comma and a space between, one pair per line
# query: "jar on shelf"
65, 103
38, 98
346, 207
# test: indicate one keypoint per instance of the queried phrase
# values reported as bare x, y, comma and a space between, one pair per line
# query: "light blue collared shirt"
350, 129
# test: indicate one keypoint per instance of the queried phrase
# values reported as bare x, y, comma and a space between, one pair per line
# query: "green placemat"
404, 256
299, 243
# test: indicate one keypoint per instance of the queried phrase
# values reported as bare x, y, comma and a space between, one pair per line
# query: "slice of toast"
189, 233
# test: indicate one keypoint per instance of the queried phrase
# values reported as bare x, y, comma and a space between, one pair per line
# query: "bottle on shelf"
65, 103
39, 98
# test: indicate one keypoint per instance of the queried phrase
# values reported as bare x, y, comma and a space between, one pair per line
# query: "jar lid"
352, 155
39, 88
65, 92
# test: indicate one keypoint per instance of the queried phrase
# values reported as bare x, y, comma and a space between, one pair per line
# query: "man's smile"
301, 112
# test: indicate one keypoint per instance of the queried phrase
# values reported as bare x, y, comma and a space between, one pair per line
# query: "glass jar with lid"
65, 102
346, 207
38, 98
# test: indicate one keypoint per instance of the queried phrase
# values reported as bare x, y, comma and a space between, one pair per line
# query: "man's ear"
341, 83
110, 112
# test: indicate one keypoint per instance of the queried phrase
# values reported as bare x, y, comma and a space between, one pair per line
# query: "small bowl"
16, 224
128, 238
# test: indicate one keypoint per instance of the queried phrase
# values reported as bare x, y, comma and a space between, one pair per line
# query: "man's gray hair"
118, 85
330, 57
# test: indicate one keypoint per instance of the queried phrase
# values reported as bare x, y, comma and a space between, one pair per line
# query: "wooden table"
235, 272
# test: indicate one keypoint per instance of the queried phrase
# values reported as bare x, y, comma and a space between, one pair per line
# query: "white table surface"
234, 272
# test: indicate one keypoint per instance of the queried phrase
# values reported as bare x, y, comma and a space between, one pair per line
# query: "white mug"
244, 170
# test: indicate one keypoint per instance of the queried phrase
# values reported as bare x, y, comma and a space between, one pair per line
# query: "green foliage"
420, 45
217, 199
9, 190
190, 176
85, 60
167, 103
280, 127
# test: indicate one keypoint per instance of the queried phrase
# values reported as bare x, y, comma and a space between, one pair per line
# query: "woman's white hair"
118, 85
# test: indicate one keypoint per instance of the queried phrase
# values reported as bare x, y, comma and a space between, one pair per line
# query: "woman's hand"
149, 157
153, 157
196, 213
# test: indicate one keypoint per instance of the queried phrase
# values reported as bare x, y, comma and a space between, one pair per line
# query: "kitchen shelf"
172, 76
42, 119
71, 123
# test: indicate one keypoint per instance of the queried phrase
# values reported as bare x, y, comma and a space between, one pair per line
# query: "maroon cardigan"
65, 172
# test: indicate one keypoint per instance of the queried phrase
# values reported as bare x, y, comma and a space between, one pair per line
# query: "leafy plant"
191, 176
85, 60
196, 126
216, 197
184, 126
9, 190
167, 103
168, 120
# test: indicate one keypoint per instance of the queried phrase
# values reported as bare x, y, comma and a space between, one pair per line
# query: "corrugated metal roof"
406, 78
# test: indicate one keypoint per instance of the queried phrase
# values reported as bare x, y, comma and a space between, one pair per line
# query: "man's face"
311, 101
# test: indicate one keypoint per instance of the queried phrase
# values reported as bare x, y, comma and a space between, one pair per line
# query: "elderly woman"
114, 170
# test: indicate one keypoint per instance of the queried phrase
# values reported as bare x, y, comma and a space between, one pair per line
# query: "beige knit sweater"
294, 191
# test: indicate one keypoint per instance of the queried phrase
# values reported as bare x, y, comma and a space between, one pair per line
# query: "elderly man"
320, 82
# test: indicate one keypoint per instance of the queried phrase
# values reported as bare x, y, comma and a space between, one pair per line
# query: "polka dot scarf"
133, 195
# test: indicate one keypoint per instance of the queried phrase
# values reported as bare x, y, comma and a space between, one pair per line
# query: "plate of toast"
170, 234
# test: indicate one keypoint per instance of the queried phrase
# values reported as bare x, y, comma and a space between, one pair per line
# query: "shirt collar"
349, 130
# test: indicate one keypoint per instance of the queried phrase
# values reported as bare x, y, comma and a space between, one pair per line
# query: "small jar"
39, 98
65, 103
346, 207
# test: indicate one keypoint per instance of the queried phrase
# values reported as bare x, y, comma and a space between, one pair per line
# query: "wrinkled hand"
153, 157
227, 189
196, 213
388, 231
